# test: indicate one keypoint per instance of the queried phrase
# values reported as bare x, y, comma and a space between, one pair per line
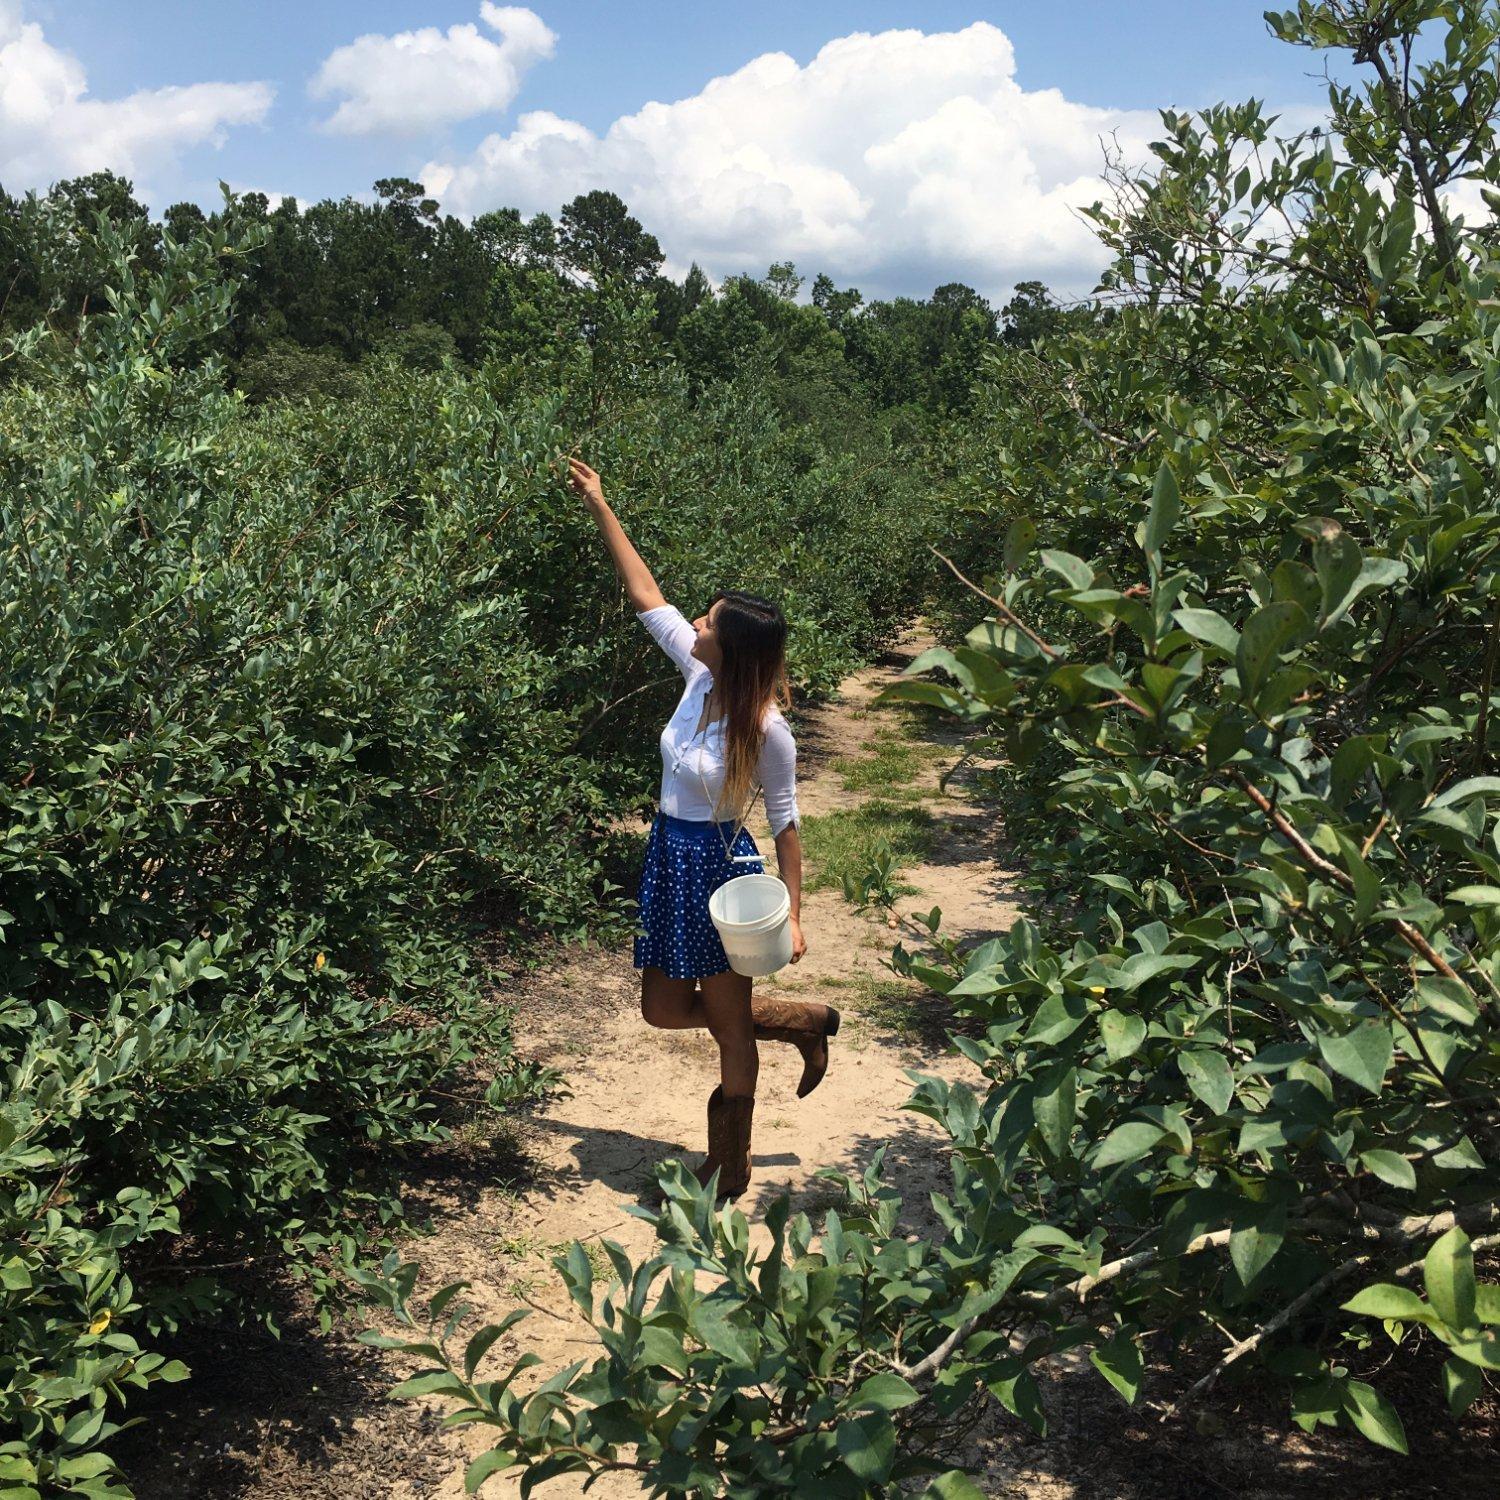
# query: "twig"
1074, 1291
609, 708
1261, 1334
1409, 934
538, 1306
1375, 832
1481, 722
1001, 608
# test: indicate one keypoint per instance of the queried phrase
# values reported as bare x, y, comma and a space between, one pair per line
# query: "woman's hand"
585, 481
799, 943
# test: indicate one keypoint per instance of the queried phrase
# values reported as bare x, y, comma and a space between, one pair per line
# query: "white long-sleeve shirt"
685, 753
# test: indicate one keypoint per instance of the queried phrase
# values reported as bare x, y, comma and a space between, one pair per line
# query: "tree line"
342, 280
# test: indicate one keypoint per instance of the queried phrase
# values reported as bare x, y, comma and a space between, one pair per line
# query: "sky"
894, 146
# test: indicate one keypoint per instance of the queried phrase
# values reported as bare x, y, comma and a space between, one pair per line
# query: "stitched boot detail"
729, 1117
806, 1026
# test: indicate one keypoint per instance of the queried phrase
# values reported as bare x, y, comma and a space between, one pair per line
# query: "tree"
674, 302
835, 305
1030, 315
183, 220
599, 237
406, 197
783, 281
100, 192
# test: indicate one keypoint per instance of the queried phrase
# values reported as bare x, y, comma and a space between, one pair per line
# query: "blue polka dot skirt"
684, 866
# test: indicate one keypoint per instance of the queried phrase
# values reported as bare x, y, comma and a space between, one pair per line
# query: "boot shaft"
729, 1120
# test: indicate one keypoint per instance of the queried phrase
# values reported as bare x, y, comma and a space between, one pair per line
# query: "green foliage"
289, 689
1246, 687
1240, 550
723, 1371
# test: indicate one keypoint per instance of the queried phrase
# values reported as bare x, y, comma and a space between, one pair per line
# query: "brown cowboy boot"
807, 1026
728, 1142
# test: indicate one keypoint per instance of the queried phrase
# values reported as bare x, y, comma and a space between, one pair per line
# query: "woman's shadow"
627, 1162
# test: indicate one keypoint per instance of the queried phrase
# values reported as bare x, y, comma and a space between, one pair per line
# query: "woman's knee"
730, 1030
665, 1002
658, 1010
726, 999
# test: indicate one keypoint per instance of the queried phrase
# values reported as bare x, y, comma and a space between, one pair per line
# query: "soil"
305, 1416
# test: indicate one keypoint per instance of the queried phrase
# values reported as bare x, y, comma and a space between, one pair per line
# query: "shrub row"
296, 702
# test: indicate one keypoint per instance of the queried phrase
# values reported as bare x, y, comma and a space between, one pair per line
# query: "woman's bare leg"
726, 1004
672, 1004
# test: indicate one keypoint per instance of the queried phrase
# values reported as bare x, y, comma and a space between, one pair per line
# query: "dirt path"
638, 1095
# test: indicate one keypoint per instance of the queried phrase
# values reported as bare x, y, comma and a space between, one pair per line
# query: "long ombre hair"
752, 678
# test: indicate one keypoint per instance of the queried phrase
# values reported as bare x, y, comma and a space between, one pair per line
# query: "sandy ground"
638, 1094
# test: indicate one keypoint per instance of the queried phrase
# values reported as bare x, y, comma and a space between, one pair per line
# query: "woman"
726, 737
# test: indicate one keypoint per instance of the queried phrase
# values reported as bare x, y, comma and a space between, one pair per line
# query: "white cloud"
1465, 199
897, 161
49, 128
418, 80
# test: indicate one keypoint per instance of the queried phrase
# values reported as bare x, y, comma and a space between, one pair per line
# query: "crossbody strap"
729, 854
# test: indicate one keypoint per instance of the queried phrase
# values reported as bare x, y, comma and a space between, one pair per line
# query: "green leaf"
483, 1466
1448, 997
1020, 538
1466, 791
867, 1444
1254, 1246
1056, 1018
478, 1347
1476, 895
1373, 1415
580, 1278
1140, 967
1448, 1275
1337, 561
1072, 570
1366, 882
1054, 1111
1166, 507
1487, 1303
1391, 1167
1477, 1349
954, 1485
1019, 1395
434, 1382
1209, 1076
1119, 1362
1386, 1300
1211, 628
1462, 1385
1361, 1055
884, 1392
713, 1326
1123, 1033
441, 1299
1126, 1143
1267, 632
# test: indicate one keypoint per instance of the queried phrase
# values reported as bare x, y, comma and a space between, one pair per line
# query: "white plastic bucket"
752, 915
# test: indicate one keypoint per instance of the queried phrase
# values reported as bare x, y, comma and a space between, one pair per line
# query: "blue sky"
982, 132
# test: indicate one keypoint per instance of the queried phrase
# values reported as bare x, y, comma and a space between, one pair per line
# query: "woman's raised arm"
640, 586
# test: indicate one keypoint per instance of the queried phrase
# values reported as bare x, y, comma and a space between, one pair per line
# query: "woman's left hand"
799, 943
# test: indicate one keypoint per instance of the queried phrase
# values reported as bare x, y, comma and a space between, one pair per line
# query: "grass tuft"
846, 842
